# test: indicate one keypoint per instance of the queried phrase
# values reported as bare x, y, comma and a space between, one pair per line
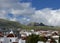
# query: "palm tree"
59, 38
43, 38
32, 38
35, 38
53, 41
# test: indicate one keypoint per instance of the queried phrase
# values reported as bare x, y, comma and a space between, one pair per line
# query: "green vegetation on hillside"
9, 24
6, 24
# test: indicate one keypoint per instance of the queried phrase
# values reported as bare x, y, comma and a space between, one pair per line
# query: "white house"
56, 37
11, 37
1, 37
21, 41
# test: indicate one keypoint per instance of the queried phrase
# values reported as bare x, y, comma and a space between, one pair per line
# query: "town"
29, 21
20, 36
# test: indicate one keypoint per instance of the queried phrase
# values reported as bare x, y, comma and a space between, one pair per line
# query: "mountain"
36, 24
6, 24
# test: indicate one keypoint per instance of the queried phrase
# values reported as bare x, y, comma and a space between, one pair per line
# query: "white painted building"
56, 38
11, 37
21, 41
1, 37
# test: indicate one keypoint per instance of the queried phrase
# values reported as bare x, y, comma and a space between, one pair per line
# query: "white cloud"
15, 7
13, 19
23, 11
24, 18
28, 19
47, 16
2, 14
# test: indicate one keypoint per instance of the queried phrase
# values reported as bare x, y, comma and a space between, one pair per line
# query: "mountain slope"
9, 24
6, 24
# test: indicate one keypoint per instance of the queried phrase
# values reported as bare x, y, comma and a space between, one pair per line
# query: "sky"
26, 11
40, 4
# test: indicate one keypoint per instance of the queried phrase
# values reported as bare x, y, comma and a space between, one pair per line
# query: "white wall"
40, 42
13, 39
21, 41
1, 38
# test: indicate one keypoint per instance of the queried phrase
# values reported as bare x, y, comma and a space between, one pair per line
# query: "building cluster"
20, 37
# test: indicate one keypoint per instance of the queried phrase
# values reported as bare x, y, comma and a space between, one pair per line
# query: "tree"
32, 38
59, 38
43, 38
35, 38
53, 41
